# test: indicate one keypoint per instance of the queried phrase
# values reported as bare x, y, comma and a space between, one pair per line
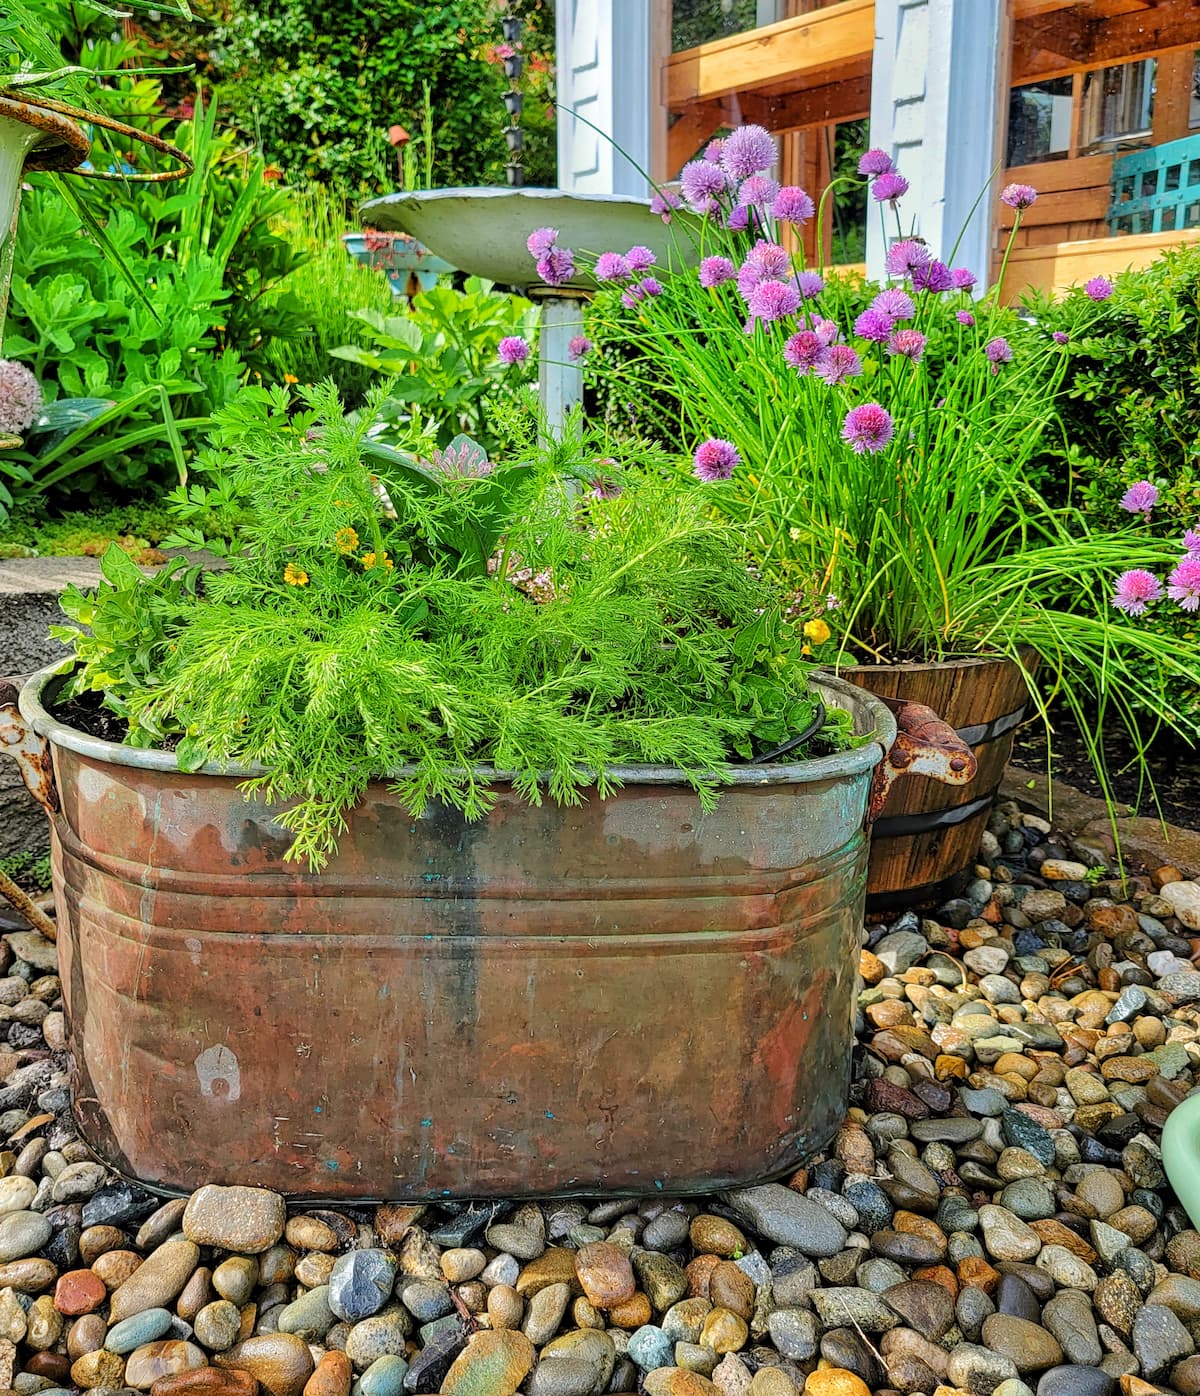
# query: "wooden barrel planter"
928, 832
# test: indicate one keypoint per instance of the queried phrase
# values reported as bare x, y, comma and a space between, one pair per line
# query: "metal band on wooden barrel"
988, 731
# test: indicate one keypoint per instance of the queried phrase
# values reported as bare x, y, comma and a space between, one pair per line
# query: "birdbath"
483, 232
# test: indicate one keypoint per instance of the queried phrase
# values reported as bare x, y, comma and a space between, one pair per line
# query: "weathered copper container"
631, 995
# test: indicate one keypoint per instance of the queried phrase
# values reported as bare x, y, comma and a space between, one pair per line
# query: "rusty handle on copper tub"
924, 746
27, 749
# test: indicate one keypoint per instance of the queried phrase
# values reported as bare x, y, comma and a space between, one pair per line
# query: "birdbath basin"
483, 232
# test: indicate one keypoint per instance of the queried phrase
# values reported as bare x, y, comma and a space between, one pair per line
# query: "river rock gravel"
992, 1217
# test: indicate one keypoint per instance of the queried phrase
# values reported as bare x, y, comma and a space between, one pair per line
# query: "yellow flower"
816, 631
342, 503
345, 540
369, 560
295, 576
290, 378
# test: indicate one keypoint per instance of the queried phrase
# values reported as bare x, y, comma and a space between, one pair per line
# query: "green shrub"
1130, 410
319, 83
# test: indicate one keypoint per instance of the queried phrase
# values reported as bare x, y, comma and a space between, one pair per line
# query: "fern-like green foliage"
552, 617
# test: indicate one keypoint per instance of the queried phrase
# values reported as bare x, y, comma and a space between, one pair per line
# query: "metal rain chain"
514, 61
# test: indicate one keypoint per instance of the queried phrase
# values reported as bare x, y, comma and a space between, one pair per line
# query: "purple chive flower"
1183, 585
714, 271
715, 460
701, 182
773, 300
748, 151
579, 348
1061, 337
907, 344
1099, 288
557, 267
963, 279
1140, 498
875, 162
758, 190
896, 303
640, 291
766, 261
737, 220
934, 278
1191, 540
792, 205
867, 428
964, 317
837, 363
803, 350
907, 256
810, 284
640, 258
826, 331
663, 202
714, 150
1018, 196
541, 240
998, 351
611, 266
513, 350
873, 325
1135, 590
889, 188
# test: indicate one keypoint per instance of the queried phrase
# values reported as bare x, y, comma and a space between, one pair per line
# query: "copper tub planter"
633, 995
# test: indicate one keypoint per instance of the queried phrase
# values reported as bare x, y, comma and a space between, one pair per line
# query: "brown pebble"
309, 1234
145, 1365
196, 1294
715, 1236
974, 1272
115, 1267
206, 1381
505, 1306
80, 1292
676, 1381
605, 1273
280, 1362
98, 1368
394, 1219
699, 1275
731, 1288
96, 1240
161, 1225
632, 1313
724, 1331
86, 1334
54, 1366
29, 1276
555, 1266
332, 1376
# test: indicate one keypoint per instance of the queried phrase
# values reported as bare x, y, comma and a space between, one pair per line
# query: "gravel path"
992, 1217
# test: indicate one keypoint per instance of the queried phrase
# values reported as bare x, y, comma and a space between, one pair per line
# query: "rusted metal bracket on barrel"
32, 755
924, 746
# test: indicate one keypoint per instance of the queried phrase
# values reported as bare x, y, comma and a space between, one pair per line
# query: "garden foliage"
413, 614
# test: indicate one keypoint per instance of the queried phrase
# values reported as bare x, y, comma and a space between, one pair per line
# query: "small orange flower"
369, 560
345, 540
290, 378
817, 631
295, 576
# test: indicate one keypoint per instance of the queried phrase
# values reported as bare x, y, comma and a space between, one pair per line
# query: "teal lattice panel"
1158, 190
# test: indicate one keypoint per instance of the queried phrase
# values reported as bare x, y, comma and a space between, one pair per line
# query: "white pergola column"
607, 64
937, 103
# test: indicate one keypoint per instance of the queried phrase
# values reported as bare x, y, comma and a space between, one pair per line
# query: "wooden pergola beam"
1171, 24
1065, 35
839, 39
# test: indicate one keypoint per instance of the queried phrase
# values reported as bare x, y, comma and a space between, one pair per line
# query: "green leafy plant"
413, 613
442, 357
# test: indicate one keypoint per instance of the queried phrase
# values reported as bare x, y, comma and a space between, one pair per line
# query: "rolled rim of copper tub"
873, 717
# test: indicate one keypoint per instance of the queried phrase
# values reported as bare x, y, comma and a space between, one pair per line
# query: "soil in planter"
1175, 766
88, 714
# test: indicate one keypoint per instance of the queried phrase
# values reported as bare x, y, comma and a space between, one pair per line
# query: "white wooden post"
936, 108
608, 73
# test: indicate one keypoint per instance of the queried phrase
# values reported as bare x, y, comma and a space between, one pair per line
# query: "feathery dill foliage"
513, 615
